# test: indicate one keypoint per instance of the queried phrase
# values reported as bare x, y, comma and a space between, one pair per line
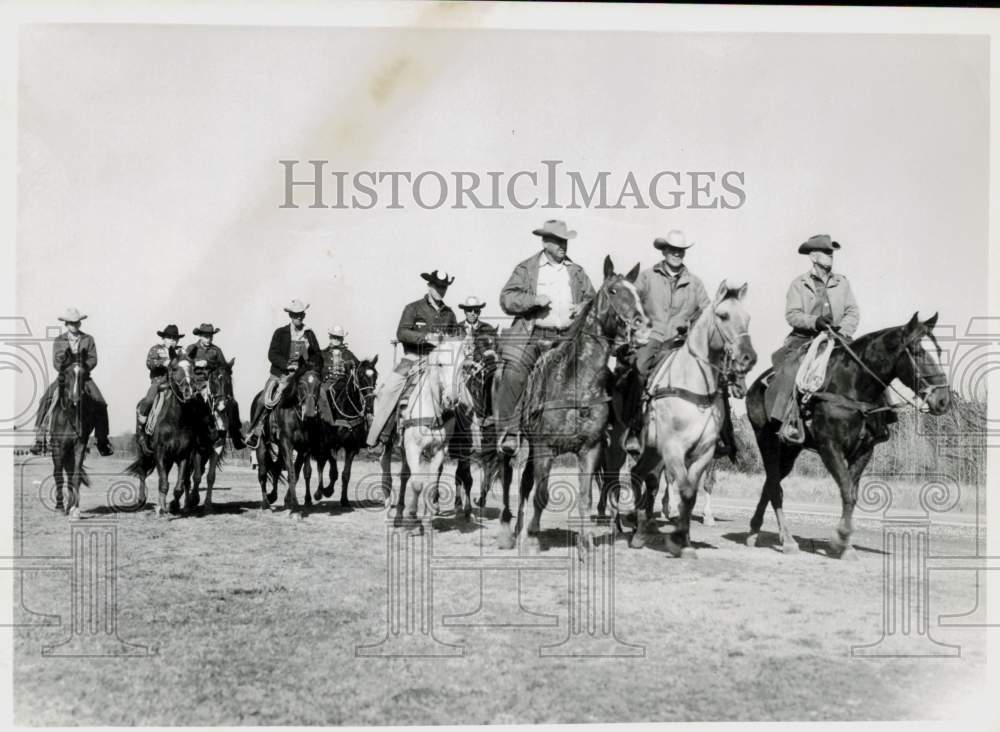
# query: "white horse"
686, 411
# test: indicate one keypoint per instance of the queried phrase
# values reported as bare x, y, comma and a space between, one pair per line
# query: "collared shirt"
670, 301
553, 281
74, 342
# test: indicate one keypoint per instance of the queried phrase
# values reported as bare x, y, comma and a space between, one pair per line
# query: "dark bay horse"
565, 407
210, 450
841, 430
295, 430
351, 402
180, 422
72, 422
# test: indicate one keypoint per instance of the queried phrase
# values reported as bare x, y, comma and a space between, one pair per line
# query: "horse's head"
730, 335
618, 309
182, 379
72, 379
918, 365
366, 377
220, 389
449, 364
307, 388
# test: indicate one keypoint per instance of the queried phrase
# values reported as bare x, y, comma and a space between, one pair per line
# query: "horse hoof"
209, 507
637, 540
265, 507
481, 502
344, 503
505, 537
467, 512
837, 543
529, 546
318, 495
790, 546
688, 552
60, 506
850, 554
752, 538
585, 545
74, 513
175, 507
708, 519
673, 547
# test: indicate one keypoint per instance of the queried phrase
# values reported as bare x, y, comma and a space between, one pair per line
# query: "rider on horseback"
74, 346
420, 326
207, 357
293, 349
157, 360
816, 301
544, 294
673, 298
337, 358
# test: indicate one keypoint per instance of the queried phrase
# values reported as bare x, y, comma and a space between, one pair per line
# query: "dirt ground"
255, 618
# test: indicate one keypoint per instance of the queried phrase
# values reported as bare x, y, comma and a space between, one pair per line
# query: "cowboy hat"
336, 331
472, 303
170, 332
439, 279
675, 240
818, 243
72, 315
556, 229
206, 329
296, 306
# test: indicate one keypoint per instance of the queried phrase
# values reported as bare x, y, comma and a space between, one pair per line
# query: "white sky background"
149, 185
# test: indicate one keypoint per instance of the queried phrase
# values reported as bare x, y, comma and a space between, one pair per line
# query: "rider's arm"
60, 349
516, 297
153, 358
852, 315
277, 355
795, 308
91, 347
315, 354
407, 331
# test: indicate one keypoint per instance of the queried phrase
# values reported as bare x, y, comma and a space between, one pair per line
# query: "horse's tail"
142, 465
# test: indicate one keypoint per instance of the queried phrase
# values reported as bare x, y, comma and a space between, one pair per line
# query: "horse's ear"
609, 267
914, 321
931, 321
374, 359
231, 362
633, 273
720, 294
743, 291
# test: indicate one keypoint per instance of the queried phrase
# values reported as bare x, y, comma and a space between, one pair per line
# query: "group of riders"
544, 294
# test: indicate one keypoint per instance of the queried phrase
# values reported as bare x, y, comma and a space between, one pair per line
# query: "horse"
440, 390
178, 426
294, 428
351, 403
565, 408
73, 420
210, 451
841, 428
686, 411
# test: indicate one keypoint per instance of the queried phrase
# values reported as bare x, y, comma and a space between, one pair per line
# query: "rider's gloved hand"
823, 322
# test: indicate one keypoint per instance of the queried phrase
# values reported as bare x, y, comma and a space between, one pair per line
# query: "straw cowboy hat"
675, 240
296, 306
818, 243
72, 315
440, 279
206, 329
472, 303
336, 331
556, 229
170, 331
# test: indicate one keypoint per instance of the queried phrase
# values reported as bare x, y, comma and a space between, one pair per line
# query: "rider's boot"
141, 438
101, 431
39, 447
236, 428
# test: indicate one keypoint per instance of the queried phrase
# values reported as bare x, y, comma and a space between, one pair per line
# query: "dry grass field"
254, 618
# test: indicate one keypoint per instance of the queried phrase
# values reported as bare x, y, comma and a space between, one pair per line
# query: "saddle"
154, 411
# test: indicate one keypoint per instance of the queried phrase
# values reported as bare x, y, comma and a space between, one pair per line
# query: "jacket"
211, 354
62, 355
517, 297
670, 304
337, 361
281, 344
803, 306
420, 318
155, 357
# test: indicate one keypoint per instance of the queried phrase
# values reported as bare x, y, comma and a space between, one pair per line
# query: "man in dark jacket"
420, 326
337, 357
74, 346
158, 359
207, 357
293, 350
544, 294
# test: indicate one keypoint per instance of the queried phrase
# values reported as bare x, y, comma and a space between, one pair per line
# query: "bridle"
301, 406
625, 323
217, 402
363, 392
174, 387
727, 372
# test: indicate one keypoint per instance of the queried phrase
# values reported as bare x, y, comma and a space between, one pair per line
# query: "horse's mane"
577, 324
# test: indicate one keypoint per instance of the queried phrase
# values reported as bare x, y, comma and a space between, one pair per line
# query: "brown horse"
73, 420
181, 420
351, 403
565, 407
295, 430
843, 428
210, 451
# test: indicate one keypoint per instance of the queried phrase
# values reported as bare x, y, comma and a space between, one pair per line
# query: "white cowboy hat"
336, 331
72, 315
472, 303
296, 306
554, 228
675, 239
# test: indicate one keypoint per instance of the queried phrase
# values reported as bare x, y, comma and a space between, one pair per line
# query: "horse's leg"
307, 474
611, 482
410, 499
587, 461
58, 475
175, 501
163, 484
505, 536
404, 479
196, 466
385, 465
648, 465
434, 468
291, 500
688, 479
73, 484
540, 467
778, 459
345, 476
847, 475
328, 493
213, 463
525, 468
321, 461
707, 485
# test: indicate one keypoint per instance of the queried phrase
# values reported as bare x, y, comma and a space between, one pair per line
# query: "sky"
149, 187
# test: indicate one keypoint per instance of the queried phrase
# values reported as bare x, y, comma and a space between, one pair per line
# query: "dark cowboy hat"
472, 303
206, 329
439, 279
675, 240
170, 332
818, 243
556, 229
